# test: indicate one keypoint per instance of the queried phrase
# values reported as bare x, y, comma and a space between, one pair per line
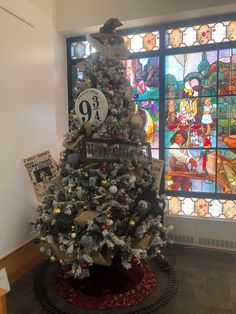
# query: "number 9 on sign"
91, 106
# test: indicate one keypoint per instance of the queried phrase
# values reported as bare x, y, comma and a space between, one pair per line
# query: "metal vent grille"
182, 238
217, 243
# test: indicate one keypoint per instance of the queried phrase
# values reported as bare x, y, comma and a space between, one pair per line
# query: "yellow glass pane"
149, 41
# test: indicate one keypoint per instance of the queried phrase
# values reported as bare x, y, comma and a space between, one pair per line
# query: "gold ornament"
42, 239
132, 223
104, 183
56, 211
52, 259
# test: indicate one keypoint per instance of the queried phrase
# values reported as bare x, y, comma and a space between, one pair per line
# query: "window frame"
162, 52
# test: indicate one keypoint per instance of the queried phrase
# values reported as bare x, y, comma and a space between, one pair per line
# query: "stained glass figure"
227, 72
195, 116
191, 75
186, 169
143, 74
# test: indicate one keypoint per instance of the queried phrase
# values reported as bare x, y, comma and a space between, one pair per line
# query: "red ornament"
104, 169
104, 227
122, 199
119, 137
135, 260
84, 265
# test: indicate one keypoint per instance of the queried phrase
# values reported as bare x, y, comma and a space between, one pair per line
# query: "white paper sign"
91, 106
157, 169
4, 283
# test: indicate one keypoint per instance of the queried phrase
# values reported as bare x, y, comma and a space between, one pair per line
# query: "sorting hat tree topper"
102, 204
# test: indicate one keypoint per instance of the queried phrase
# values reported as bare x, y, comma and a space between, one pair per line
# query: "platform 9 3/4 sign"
91, 106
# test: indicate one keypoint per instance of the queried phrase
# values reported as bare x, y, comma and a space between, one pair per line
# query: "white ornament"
113, 189
73, 235
91, 106
42, 249
132, 178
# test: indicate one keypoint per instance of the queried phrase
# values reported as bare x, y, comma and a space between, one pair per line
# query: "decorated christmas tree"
103, 204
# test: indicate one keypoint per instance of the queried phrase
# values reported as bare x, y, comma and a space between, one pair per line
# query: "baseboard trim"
21, 260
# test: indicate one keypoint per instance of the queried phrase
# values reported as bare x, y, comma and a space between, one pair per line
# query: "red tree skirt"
107, 287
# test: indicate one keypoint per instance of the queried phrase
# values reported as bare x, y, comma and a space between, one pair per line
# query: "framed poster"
41, 169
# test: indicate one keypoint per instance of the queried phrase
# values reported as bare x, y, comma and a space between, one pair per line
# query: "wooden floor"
207, 285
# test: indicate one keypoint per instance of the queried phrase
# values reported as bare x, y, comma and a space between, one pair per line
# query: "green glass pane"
227, 72
191, 75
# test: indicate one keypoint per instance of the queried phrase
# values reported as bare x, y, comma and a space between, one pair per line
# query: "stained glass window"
191, 122
134, 42
227, 68
201, 207
142, 42
197, 106
201, 34
80, 49
143, 74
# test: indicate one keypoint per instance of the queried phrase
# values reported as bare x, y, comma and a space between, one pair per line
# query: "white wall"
33, 104
76, 17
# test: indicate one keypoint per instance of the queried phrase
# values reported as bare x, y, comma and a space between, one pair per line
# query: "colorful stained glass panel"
134, 42
143, 74
224, 209
195, 118
227, 122
149, 111
227, 72
204, 34
191, 75
201, 34
226, 170
189, 169
218, 32
78, 50
189, 36
231, 31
